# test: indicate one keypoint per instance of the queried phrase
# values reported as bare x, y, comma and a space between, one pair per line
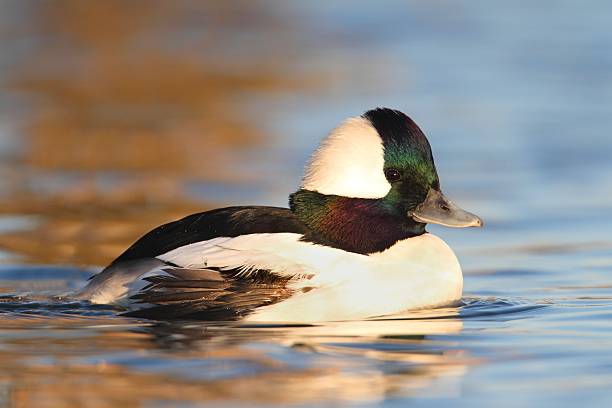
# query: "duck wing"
206, 294
227, 261
223, 222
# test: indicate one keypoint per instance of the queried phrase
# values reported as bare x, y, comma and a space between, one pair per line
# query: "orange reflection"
152, 93
96, 362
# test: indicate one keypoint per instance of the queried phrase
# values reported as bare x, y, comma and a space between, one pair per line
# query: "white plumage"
414, 273
349, 162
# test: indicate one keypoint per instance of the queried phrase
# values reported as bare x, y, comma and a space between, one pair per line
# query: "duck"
351, 245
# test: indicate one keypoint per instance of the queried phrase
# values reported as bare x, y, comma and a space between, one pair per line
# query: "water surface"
116, 117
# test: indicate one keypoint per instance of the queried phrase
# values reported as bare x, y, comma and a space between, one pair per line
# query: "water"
116, 117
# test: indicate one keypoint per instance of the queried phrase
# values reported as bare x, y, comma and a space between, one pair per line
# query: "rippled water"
153, 112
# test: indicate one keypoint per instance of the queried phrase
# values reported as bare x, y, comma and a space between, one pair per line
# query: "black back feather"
222, 222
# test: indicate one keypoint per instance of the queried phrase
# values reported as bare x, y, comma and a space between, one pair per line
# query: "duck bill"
437, 209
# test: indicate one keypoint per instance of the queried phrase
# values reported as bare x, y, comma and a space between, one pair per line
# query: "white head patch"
349, 162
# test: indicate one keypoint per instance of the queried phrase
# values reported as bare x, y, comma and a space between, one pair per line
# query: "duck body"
351, 245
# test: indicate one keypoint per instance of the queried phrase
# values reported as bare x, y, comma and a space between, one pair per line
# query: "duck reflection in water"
363, 361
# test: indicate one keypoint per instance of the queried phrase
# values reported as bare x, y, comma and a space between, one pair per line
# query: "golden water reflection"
125, 103
109, 362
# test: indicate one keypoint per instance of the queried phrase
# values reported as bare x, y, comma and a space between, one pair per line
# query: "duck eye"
392, 175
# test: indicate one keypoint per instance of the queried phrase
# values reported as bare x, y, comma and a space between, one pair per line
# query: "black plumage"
223, 222
397, 128
208, 294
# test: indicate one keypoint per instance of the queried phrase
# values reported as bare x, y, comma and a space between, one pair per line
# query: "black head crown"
397, 129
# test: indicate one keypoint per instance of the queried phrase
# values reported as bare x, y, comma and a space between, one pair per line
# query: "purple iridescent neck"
358, 225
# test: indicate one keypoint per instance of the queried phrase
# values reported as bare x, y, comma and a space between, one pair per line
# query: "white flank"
349, 162
415, 273
280, 253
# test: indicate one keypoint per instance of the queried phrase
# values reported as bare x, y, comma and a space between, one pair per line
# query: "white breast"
415, 273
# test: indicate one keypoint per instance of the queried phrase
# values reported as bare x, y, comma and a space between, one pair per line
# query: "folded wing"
207, 294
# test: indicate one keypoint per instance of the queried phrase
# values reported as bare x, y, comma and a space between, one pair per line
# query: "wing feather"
283, 254
218, 295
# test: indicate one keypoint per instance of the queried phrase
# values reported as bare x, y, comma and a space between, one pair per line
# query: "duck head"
378, 165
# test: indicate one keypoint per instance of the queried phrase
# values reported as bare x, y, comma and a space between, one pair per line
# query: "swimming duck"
351, 245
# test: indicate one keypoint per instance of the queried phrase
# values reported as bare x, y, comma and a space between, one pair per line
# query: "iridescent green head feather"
408, 162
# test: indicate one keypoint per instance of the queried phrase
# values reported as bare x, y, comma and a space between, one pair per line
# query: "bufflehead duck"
351, 245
